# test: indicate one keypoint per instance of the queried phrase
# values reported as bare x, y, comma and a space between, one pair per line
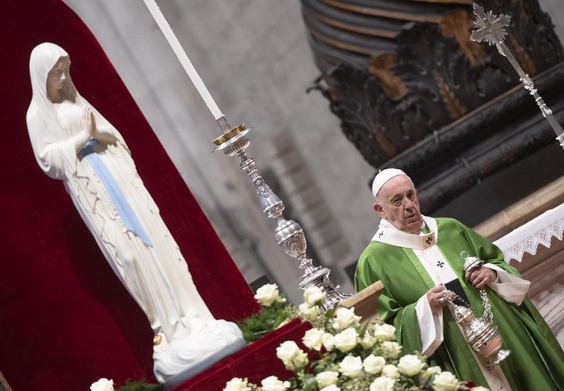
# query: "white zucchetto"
383, 177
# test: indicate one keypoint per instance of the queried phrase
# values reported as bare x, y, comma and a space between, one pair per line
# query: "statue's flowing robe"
100, 176
536, 361
154, 272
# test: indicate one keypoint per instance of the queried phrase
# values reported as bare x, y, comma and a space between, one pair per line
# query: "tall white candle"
184, 60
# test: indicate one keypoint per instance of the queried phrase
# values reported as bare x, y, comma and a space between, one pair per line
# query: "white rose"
328, 341
268, 294
479, 388
382, 383
103, 385
237, 384
299, 362
347, 340
344, 318
308, 311
291, 355
326, 379
431, 370
351, 366
390, 349
367, 340
287, 351
410, 365
314, 295
374, 364
332, 387
384, 332
445, 381
390, 371
312, 339
272, 383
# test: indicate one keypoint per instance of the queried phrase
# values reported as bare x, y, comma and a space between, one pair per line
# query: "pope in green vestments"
414, 255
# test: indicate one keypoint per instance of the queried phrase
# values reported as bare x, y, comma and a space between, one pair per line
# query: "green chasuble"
536, 361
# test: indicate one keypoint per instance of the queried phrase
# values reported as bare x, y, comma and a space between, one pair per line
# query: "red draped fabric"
65, 319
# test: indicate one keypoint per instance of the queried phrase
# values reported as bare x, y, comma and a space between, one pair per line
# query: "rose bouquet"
343, 354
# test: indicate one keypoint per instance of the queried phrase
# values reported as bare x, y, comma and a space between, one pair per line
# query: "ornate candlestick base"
289, 235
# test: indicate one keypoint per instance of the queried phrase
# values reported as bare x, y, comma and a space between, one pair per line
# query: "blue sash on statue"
123, 208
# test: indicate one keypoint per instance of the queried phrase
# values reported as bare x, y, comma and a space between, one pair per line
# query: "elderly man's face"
399, 205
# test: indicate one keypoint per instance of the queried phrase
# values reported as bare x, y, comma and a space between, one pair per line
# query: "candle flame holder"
288, 234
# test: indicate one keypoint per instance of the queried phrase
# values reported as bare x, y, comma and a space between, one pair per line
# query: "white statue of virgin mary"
74, 143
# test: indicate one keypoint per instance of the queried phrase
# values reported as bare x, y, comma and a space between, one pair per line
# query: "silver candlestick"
491, 28
289, 235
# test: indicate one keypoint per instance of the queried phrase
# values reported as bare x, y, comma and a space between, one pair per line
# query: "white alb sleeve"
510, 288
430, 326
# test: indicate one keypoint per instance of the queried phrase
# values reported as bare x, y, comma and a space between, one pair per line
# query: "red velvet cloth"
256, 362
65, 319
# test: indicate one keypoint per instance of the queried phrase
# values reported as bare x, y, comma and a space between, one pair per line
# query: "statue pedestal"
254, 362
182, 358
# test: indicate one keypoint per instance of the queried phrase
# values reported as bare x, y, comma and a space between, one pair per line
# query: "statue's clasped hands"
88, 121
